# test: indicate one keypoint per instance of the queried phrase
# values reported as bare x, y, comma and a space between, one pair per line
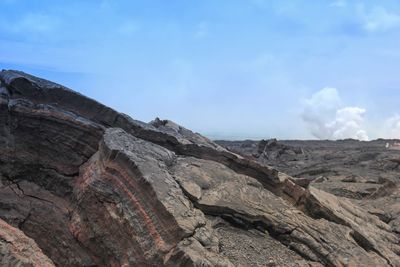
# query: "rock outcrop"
84, 185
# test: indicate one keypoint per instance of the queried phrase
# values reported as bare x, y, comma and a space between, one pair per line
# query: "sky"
229, 69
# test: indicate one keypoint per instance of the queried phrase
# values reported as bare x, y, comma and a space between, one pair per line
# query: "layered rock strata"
84, 185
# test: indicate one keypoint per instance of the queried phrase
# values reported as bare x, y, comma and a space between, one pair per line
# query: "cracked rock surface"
84, 185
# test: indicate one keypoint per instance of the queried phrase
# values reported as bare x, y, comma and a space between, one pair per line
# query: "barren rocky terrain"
84, 185
367, 173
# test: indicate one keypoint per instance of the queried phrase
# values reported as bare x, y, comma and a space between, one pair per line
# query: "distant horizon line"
232, 138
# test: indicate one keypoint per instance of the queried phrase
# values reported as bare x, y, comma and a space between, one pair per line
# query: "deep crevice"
367, 246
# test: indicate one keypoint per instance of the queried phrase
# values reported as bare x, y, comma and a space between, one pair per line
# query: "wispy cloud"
260, 55
106, 4
61, 58
128, 27
7, 1
34, 23
338, 3
378, 19
201, 30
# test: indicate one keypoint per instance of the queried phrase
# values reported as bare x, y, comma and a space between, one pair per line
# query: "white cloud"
338, 3
378, 19
392, 127
327, 119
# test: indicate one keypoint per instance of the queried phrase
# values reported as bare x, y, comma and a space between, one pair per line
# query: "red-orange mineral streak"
86, 177
9, 228
22, 245
89, 175
159, 242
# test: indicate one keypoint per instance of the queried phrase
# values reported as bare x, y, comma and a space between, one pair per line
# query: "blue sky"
224, 68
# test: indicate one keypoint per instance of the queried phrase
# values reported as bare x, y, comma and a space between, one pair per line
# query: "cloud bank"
326, 118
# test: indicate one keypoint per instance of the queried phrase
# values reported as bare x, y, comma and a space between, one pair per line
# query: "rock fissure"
365, 244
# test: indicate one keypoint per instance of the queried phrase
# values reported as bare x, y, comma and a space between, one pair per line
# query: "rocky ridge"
84, 185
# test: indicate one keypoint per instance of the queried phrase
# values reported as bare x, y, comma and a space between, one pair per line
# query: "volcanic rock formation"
84, 185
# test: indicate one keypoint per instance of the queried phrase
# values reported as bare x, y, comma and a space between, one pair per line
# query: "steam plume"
327, 119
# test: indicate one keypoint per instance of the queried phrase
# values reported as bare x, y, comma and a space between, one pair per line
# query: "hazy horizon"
252, 69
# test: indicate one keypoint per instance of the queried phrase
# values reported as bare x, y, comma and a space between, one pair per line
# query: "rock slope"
84, 185
366, 173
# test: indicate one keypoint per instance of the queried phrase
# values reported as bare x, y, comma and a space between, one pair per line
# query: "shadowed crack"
22, 223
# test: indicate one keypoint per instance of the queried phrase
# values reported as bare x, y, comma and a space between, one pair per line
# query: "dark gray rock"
88, 186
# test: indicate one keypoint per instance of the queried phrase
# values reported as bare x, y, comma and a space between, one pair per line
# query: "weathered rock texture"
16, 249
84, 185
